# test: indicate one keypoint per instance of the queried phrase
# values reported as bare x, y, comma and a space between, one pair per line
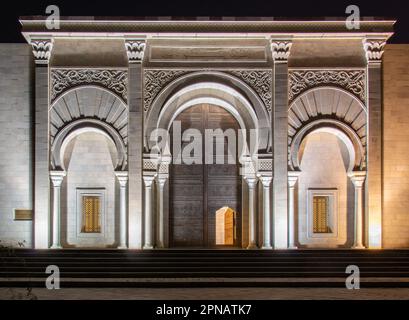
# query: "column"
122, 177
161, 184
280, 49
358, 179
252, 182
292, 180
135, 51
57, 178
42, 49
148, 244
266, 181
374, 51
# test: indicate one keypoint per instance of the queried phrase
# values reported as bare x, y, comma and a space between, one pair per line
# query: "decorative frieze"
374, 50
135, 50
62, 80
350, 80
42, 50
280, 50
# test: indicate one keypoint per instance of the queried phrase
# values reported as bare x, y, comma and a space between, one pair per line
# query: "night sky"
307, 9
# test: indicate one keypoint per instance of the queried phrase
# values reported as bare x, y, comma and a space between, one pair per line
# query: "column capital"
135, 50
162, 179
122, 177
148, 178
374, 49
57, 177
251, 181
280, 49
265, 180
357, 178
293, 178
42, 49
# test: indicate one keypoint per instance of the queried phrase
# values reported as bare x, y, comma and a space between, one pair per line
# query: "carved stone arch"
93, 106
76, 127
337, 128
210, 85
332, 107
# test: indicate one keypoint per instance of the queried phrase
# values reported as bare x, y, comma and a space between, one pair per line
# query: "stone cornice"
73, 26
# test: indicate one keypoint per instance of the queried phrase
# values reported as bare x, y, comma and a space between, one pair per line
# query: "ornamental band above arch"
113, 80
352, 81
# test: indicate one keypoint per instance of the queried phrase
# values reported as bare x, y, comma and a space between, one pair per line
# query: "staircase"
206, 268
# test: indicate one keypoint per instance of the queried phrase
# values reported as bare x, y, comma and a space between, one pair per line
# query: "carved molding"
115, 81
374, 50
135, 50
352, 81
280, 50
259, 80
42, 50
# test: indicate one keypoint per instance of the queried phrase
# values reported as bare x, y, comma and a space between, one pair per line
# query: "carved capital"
135, 50
292, 178
148, 178
42, 50
265, 180
374, 50
280, 50
162, 178
357, 178
122, 177
57, 177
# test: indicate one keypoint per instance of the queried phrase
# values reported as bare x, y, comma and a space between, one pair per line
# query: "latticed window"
320, 214
91, 212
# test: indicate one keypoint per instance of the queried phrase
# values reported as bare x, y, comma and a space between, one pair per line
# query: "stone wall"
395, 222
16, 125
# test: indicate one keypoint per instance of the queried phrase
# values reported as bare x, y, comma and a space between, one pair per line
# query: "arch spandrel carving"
63, 80
352, 81
215, 87
259, 80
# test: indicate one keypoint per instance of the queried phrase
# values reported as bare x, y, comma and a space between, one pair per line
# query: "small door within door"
226, 233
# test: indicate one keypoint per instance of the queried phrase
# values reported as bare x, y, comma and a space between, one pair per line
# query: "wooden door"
197, 191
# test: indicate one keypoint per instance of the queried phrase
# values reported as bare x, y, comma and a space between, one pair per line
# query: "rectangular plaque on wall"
23, 214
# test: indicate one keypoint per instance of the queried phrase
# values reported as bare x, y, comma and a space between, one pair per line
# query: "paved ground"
208, 293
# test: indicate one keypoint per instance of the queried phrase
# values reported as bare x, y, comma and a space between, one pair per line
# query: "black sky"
391, 9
